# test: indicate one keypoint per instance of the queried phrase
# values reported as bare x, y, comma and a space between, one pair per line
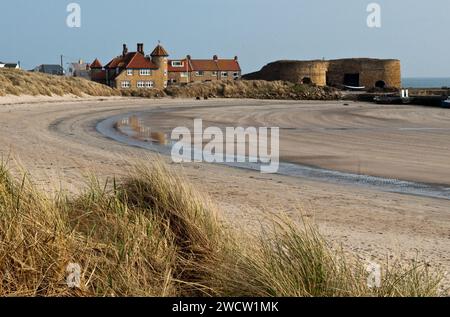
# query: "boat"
388, 100
355, 88
446, 103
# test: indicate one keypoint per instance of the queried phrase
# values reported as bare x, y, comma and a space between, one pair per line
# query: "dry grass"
254, 89
152, 235
18, 82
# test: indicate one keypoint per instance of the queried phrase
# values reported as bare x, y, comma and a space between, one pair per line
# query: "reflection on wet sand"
134, 127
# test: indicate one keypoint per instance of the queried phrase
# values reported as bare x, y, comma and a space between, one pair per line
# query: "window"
224, 74
145, 72
200, 73
126, 84
236, 74
144, 84
165, 84
129, 72
165, 73
184, 74
214, 73
177, 64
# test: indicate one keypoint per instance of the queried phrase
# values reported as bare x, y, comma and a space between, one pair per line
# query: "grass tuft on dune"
19, 82
152, 234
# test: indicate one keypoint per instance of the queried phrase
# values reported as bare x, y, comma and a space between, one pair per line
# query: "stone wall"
354, 71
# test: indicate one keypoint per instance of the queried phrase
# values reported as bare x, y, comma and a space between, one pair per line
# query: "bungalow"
51, 69
190, 70
10, 65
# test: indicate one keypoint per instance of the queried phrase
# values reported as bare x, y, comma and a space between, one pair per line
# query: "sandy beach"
56, 141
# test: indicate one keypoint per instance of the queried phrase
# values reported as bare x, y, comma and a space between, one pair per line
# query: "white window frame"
177, 64
214, 73
145, 72
140, 84
224, 74
236, 75
149, 84
200, 73
125, 84
129, 72
184, 74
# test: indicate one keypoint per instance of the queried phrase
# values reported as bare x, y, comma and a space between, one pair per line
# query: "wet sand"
400, 142
58, 142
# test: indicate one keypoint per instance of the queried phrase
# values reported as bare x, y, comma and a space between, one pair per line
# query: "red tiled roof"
96, 64
134, 60
231, 65
159, 51
184, 68
204, 65
207, 65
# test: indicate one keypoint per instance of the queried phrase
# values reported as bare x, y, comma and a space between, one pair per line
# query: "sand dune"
58, 142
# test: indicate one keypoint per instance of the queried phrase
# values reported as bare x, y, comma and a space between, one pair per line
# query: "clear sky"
258, 31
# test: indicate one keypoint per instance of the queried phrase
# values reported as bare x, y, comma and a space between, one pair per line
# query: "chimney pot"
235, 58
140, 48
215, 57
125, 49
188, 57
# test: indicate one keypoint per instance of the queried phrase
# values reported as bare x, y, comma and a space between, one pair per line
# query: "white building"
79, 69
10, 65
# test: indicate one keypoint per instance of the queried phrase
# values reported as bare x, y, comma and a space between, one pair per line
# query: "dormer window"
177, 64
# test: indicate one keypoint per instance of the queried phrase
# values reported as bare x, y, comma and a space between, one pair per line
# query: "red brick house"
190, 70
132, 70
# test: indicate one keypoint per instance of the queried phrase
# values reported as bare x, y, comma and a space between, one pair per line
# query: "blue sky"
259, 31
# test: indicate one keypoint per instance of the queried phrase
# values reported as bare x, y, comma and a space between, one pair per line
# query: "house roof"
182, 69
96, 64
159, 51
11, 65
228, 65
49, 68
204, 65
207, 65
132, 60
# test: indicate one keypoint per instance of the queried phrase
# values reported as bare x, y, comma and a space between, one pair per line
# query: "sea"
423, 82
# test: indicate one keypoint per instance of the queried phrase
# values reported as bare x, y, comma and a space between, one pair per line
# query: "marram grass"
151, 234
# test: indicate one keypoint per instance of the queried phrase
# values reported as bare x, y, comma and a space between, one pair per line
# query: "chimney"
215, 57
125, 50
235, 58
188, 57
140, 48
